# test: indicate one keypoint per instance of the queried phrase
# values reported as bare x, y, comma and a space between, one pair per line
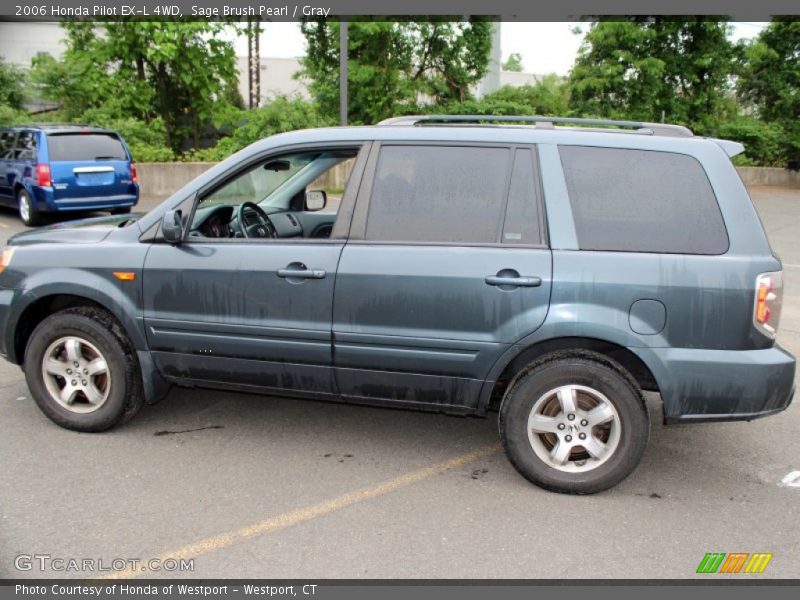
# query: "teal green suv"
552, 270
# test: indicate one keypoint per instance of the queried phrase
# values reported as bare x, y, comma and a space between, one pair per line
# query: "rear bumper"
47, 202
721, 385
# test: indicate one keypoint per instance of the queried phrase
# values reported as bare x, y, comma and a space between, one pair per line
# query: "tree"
12, 89
646, 69
180, 72
769, 78
514, 63
393, 65
548, 96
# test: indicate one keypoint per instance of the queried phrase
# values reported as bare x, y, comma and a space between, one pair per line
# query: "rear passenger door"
445, 267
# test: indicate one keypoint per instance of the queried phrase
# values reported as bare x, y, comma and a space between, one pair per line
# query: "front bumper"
721, 385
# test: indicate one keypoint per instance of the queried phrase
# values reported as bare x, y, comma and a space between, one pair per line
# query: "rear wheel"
27, 210
574, 423
82, 371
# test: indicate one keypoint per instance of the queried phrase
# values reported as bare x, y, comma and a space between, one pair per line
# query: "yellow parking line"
3, 225
313, 511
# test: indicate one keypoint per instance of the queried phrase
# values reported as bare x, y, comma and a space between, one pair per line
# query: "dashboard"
220, 221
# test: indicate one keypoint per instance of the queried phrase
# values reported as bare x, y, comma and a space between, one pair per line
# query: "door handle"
302, 273
515, 281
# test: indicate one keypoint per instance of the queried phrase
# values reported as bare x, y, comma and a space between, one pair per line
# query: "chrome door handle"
302, 273
516, 281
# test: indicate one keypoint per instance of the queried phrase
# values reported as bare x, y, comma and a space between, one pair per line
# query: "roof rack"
540, 122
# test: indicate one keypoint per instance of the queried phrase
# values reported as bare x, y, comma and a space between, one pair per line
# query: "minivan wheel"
82, 371
574, 423
27, 211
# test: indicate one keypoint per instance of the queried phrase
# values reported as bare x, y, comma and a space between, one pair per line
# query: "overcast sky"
545, 47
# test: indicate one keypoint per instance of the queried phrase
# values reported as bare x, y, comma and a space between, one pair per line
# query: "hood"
84, 231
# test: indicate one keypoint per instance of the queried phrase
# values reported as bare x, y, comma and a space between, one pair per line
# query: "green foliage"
182, 73
280, 115
12, 87
646, 69
514, 63
12, 116
763, 142
769, 79
392, 65
550, 96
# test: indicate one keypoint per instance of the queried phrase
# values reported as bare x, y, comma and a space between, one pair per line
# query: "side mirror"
172, 226
316, 200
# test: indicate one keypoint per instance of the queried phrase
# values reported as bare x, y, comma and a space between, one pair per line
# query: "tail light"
134, 176
769, 297
43, 177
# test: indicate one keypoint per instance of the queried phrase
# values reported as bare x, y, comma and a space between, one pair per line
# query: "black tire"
124, 396
121, 211
27, 209
597, 379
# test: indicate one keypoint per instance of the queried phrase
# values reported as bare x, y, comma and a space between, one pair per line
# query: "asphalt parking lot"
269, 487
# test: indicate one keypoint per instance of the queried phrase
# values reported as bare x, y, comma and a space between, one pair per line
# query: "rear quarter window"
85, 146
642, 201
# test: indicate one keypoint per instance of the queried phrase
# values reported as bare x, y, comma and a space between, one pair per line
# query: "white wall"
20, 42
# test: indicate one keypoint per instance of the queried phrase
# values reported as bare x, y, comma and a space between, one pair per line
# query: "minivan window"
26, 146
642, 201
85, 146
522, 225
7, 144
452, 194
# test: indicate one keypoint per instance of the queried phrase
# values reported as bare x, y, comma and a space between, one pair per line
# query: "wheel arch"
494, 390
43, 306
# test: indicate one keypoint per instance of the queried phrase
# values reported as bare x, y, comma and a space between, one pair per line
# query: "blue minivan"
54, 168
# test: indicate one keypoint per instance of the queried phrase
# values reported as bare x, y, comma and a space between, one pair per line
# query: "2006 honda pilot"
552, 272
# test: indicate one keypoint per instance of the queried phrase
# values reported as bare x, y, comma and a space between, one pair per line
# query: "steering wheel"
262, 228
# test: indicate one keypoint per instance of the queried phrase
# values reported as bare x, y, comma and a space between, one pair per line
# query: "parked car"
55, 168
552, 273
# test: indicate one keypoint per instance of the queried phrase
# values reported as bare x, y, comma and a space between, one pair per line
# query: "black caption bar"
278, 10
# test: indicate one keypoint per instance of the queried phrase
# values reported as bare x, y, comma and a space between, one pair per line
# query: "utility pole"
253, 63
343, 72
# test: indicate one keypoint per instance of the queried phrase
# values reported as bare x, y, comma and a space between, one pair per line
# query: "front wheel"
82, 371
574, 423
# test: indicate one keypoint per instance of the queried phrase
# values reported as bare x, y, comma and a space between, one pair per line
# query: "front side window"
7, 144
642, 201
290, 196
454, 194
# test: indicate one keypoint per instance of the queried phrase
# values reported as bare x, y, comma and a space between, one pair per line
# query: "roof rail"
56, 124
540, 122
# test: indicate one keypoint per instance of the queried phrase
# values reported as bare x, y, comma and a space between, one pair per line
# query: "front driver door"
243, 313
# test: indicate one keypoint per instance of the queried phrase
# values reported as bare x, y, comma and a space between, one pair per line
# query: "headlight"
8, 253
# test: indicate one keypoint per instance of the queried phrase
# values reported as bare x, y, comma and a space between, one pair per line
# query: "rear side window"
642, 201
450, 194
26, 146
85, 146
